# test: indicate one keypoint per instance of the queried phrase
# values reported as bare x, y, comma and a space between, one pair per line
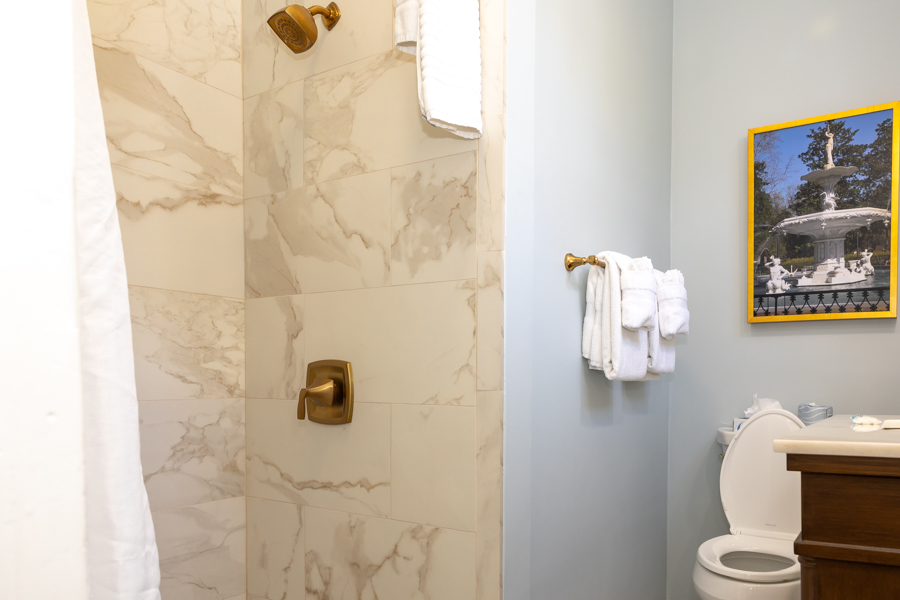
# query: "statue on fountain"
777, 273
829, 148
865, 263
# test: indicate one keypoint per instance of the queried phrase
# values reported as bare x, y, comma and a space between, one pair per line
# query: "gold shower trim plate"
328, 395
297, 28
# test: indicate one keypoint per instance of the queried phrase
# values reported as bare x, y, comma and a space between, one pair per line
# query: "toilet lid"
759, 495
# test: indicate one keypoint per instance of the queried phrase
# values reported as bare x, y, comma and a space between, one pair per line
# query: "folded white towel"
672, 298
621, 353
445, 36
662, 353
639, 295
590, 312
406, 25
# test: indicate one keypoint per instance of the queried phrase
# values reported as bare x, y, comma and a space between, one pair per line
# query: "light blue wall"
739, 65
589, 125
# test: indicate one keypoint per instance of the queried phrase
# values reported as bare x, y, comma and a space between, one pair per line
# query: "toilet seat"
711, 552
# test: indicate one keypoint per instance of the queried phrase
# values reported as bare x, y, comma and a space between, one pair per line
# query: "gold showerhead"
297, 28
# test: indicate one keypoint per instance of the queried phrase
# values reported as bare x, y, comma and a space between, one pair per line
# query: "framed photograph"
822, 232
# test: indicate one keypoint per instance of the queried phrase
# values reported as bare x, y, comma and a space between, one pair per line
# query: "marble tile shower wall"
170, 83
371, 237
354, 230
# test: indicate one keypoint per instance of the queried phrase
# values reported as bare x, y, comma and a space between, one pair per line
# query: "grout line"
390, 168
212, 399
391, 463
150, 287
303, 80
240, 200
382, 287
168, 68
196, 504
346, 512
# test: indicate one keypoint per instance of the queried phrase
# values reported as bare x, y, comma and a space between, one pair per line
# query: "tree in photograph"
875, 174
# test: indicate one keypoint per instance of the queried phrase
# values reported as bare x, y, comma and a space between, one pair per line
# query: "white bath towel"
662, 353
406, 25
672, 298
590, 312
639, 295
447, 45
621, 353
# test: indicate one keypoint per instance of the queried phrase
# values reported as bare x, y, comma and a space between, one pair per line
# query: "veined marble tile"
200, 38
493, 56
365, 117
192, 451
275, 347
433, 468
491, 183
412, 344
352, 556
433, 220
364, 30
344, 467
490, 320
326, 237
273, 140
161, 122
490, 495
275, 550
241, 597
202, 550
180, 238
187, 345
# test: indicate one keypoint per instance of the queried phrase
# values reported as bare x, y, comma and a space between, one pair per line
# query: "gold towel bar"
573, 261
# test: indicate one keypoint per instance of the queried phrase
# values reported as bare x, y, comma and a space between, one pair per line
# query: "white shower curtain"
122, 559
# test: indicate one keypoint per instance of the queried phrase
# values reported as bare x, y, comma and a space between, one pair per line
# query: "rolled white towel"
406, 25
639, 295
662, 354
672, 298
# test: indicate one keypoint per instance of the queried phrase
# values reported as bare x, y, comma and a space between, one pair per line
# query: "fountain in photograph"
829, 227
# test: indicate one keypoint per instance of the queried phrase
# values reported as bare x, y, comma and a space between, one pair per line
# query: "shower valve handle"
323, 395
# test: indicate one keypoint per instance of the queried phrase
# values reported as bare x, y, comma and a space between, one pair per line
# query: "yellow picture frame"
807, 301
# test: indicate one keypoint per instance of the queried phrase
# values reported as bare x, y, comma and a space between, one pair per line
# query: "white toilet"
761, 499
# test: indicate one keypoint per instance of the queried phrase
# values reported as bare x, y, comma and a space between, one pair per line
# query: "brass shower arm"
330, 15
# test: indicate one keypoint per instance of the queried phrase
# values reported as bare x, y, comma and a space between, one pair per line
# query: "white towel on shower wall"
446, 39
621, 353
406, 25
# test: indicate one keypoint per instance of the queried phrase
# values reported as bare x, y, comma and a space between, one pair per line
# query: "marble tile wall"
372, 237
170, 81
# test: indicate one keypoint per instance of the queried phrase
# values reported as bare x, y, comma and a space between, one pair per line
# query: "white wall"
739, 65
588, 168
42, 518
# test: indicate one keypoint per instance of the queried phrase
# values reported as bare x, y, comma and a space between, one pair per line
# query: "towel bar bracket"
573, 261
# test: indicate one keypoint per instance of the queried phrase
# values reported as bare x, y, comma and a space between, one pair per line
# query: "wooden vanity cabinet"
849, 545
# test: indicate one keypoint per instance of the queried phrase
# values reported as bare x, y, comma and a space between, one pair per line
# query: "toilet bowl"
761, 499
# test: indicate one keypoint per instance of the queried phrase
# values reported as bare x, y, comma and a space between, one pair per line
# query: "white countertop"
834, 436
